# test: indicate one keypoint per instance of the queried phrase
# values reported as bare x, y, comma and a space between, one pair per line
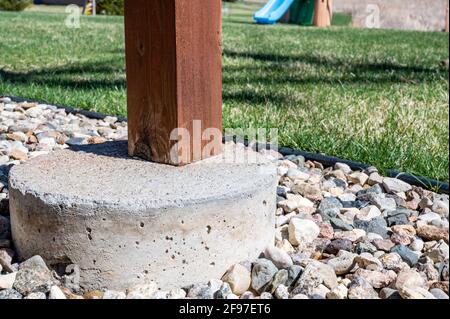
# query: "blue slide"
273, 11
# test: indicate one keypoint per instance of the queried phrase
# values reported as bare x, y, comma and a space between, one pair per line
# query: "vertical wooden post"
446, 20
174, 76
323, 13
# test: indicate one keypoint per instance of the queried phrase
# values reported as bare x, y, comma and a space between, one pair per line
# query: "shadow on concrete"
117, 149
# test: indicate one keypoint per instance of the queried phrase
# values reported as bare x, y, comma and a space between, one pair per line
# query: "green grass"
373, 96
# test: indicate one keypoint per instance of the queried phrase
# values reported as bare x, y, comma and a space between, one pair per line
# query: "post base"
122, 219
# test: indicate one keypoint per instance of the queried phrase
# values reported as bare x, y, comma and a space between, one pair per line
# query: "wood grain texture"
173, 56
323, 13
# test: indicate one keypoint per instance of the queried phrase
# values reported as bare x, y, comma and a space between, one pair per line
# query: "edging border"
327, 161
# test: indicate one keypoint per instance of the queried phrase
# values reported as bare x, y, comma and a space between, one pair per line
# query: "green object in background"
302, 12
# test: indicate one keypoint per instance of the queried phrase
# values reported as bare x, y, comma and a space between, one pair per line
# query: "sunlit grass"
374, 96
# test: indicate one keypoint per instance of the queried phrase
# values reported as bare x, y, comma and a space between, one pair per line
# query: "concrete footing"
121, 219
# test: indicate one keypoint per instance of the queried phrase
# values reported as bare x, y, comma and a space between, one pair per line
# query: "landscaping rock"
10, 294
411, 285
343, 263
262, 274
7, 281
279, 258
361, 289
33, 276
239, 279
302, 231
393, 185
337, 245
383, 237
377, 226
429, 233
409, 256
56, 293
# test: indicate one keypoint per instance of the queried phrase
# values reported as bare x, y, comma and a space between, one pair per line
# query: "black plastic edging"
326, 161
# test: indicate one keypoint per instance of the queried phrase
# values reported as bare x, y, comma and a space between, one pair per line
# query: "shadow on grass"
331, 62
275, 69
89, 75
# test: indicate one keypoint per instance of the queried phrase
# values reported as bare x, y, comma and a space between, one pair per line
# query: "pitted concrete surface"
122, 219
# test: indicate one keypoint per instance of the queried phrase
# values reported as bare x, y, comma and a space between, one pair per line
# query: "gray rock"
33, 276
282, 191
376, 189
294, 273
329, 214
262, 274
377, 226
389, 293
329, 203
365, 247
343, 263
314, 275
409, 256
10, 294
280, 278
5, 228
200, 292
398, 217
338, 223
383, 202
223, 292
438, 293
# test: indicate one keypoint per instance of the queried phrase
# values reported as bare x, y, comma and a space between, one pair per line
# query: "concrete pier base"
122, 219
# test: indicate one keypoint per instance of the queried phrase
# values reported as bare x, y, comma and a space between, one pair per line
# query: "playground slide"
273, 11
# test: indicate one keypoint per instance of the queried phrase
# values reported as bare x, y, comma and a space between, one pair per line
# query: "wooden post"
446, 20
323, 13
174, 77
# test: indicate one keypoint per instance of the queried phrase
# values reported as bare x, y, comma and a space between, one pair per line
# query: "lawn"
373, 96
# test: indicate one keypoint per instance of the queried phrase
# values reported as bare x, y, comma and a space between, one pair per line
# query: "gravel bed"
340, 234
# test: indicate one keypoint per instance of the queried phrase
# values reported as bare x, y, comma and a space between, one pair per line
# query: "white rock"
302, 231
176, 294
36, 296
411, 285
343, 167
111, 295
368, 213
358, 178
282, 292
56, 293
339, 292
146, 290
7, 281
239, 279
393, 185
279, 258
34, 112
